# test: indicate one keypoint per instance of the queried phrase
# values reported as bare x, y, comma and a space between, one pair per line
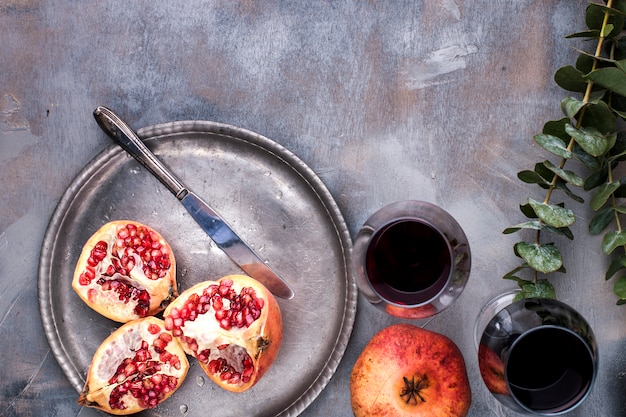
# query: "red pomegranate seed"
169, 323
204, 355
83, 279
159, 345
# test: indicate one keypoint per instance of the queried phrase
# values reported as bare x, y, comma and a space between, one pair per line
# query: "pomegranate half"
137, 367
232, 326
126, 271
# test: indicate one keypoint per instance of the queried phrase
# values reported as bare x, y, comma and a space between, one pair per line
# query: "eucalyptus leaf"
557, 128
545, 173
618, 105
590, 140
601, 220
612, 11
552, 214
590, 161
568, 176
585, 63
571, 79
616, 155
606, 31
596, 58
586, 34
613, 240
617, 264
621, 191
553, 145
561, 231
571, 106
544, 258
597, 94
531, 177
619, 287
560, 185
528, 211
603, 193
595, 179
535, 224
620, 5
610, 78
619, 46
540, 289
594, 18
600, 116
511, 274
620, 144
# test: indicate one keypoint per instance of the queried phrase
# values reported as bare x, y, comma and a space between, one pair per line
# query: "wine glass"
537, 356
411, 259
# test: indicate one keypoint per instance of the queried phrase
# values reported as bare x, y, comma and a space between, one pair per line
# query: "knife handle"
125, 136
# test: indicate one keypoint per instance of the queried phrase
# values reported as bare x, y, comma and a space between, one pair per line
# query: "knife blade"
208, 219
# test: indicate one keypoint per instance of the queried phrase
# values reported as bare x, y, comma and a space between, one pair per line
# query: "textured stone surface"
384, 100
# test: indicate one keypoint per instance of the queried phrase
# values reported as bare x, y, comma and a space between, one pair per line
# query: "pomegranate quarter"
408, 371
137, 367
232, 326
126, 271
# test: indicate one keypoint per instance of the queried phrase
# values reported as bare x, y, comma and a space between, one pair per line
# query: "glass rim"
505, 299
490, 309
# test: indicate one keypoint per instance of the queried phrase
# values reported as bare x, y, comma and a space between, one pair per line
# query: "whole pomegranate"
137, 367
408, 371
232, 326
126, 271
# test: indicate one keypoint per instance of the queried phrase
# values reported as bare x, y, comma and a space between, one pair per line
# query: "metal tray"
271, 198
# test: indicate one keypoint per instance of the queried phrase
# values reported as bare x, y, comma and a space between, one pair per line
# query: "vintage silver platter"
271, 198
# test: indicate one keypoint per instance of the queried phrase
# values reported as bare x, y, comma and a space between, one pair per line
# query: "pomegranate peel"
408, 371
411, 312
232, 326
126, 271
137, 367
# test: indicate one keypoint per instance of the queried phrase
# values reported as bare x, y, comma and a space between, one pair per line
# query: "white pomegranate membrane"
140, 375
135, 368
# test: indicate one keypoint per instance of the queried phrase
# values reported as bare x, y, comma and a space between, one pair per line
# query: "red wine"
549, 369
408, 262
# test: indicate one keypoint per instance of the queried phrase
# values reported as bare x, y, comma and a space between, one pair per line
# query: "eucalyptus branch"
585, 133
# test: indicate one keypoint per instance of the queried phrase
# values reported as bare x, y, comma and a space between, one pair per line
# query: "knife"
208, 219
